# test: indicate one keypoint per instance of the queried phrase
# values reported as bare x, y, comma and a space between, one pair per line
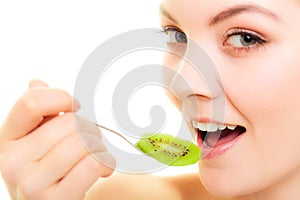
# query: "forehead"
191, 10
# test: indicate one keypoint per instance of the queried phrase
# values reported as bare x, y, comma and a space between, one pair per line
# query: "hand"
41, 153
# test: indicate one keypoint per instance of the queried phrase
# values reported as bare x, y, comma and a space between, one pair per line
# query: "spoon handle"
117, 133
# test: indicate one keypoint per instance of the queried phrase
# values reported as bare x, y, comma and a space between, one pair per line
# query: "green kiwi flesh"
169, 150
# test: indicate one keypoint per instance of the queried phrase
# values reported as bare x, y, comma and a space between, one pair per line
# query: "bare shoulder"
128, 186
190, 187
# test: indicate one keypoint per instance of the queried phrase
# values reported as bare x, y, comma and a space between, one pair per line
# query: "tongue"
220, 137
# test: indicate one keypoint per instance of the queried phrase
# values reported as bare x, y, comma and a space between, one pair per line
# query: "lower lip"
212, 152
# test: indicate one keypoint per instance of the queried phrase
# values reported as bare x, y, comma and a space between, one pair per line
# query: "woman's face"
254, 47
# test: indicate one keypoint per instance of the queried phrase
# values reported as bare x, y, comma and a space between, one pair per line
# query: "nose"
196, 75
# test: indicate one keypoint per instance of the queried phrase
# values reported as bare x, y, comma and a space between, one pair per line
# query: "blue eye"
175, 36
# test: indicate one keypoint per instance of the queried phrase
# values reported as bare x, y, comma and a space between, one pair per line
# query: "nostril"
187, 82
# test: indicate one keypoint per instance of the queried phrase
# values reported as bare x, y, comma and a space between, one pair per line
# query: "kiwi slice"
169, 150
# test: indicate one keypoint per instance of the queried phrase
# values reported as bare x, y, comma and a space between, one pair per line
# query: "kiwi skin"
169, 150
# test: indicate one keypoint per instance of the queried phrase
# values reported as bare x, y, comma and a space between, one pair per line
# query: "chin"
223, 183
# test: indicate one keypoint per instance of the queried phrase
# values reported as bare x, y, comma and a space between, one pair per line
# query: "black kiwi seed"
169, 150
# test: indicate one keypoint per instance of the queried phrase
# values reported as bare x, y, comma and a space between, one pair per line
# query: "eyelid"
171, 31
174, 46
245, 51
171, 28
239, 31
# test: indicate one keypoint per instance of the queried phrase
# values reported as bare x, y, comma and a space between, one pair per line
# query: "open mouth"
212, 135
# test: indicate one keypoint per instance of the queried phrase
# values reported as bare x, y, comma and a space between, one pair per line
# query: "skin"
36, 159
260, 84
266, 160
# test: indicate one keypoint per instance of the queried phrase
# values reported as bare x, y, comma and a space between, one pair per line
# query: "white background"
50, 40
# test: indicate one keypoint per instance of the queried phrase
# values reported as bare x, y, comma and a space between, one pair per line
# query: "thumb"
35, 83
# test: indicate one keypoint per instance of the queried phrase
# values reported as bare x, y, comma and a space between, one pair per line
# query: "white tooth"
195, 124
221, 127
202, 126
231, 127
211, 127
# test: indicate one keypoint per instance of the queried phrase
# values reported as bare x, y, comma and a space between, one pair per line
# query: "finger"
87, 172
31, 108
45, 137
35, 83
57, 163
43, 177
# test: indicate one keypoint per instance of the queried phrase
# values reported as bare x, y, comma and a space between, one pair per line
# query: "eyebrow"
236, 10
229, 13
165, 13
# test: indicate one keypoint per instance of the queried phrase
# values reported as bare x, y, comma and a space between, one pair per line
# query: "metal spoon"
118, 134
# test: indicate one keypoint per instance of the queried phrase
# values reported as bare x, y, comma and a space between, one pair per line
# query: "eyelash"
168, 29
259, 40
173, 45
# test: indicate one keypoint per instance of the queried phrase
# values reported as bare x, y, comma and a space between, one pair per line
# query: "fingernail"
76, 105
106, 159
92, 142
36, 83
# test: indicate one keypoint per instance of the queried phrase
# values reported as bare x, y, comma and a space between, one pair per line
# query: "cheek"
267, 95
266, 90
171, 64
269, 100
